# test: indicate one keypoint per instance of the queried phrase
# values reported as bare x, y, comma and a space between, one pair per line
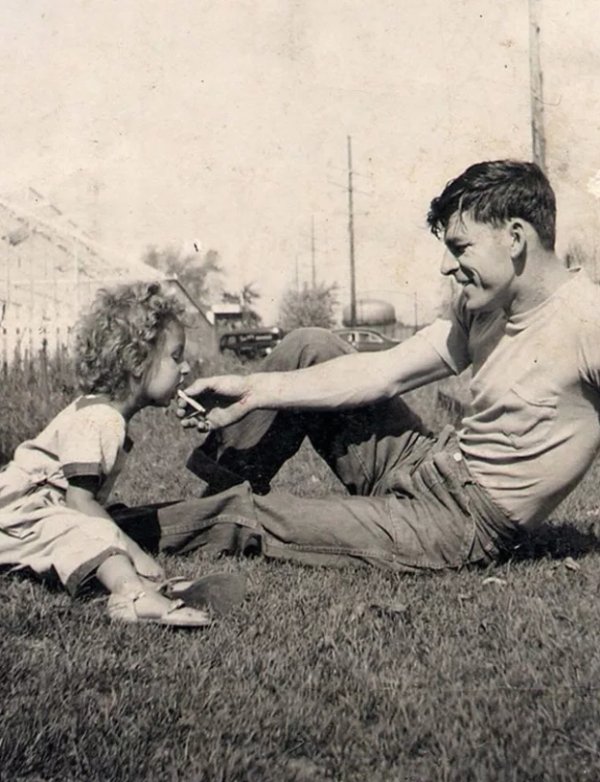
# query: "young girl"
129, 354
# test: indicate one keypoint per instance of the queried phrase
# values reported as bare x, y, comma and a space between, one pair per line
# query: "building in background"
227, 315
50, 270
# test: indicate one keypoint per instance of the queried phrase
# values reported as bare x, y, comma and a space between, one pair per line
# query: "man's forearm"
348, 381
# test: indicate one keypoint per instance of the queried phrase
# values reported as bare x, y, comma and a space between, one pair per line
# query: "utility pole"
312, 253
536, 86
416, 307
351, 238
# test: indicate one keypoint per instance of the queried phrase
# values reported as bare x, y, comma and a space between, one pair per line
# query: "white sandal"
124, 608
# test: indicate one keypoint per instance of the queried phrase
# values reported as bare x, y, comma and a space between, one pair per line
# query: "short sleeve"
589, 355
89, 447
449, 337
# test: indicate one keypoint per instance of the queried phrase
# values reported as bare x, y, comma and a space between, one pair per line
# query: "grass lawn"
350, 674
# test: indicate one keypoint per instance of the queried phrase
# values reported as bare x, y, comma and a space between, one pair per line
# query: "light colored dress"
88, 439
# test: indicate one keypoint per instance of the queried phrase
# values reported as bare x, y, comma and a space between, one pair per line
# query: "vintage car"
250, 344
365, 340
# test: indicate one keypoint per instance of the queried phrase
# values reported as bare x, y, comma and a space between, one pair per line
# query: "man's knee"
306, 346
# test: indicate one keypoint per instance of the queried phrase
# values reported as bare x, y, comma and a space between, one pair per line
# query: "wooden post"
351, 238
313, 254
536, 86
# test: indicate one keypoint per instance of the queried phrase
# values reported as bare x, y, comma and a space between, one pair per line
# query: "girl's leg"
132, 601
78, 547
119, 577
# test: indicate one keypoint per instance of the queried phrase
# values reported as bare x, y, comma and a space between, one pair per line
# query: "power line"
313, 253
351, 238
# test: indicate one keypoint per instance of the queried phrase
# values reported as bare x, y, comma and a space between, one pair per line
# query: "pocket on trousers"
430, 531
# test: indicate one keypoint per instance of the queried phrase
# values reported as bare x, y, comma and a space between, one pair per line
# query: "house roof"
26, 214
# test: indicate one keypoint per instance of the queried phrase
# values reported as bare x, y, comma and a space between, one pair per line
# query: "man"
529, 329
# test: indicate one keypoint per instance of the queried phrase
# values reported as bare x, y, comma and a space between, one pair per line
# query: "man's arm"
348, 381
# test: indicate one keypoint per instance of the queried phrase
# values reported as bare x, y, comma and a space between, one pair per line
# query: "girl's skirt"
38, 531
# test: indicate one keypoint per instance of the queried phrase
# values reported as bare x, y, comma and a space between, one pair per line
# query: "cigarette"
198, 409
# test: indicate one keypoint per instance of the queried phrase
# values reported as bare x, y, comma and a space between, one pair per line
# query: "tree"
308, 307
192, 269
248, 294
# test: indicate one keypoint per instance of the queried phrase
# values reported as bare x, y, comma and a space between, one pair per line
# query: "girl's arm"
84, 501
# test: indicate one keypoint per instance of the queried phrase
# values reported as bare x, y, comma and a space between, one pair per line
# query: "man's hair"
117, 336
495, 191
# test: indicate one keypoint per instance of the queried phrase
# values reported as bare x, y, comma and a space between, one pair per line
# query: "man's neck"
541, 278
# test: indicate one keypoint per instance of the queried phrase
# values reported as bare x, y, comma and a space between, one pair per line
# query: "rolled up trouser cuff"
220, 523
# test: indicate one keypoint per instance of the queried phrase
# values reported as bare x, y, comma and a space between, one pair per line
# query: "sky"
226, 124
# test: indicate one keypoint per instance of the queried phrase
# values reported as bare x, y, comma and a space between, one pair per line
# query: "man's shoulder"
578, 302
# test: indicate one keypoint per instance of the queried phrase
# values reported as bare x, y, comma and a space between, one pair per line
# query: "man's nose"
184, 368
449, 264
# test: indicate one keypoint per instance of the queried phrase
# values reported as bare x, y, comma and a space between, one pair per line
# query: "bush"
33, 391
308, 307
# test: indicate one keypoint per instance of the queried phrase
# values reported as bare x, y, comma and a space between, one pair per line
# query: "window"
368, 336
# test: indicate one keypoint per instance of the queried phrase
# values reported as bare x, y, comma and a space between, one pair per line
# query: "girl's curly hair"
117, 336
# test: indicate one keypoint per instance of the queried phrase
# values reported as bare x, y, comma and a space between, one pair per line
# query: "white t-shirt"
534, 426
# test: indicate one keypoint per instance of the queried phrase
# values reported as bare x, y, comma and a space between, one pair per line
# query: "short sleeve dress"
88, 439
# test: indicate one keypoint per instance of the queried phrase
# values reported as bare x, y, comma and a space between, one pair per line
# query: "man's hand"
348, 381
225, 399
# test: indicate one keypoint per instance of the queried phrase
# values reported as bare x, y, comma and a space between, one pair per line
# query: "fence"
39, 315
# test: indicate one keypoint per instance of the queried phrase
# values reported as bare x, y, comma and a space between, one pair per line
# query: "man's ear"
517, 232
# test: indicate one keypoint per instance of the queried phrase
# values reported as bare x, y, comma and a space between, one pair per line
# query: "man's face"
478, 257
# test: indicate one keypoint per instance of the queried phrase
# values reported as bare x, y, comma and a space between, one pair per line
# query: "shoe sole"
220, 592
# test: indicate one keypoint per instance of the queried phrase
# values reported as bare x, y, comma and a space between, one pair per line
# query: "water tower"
372, 313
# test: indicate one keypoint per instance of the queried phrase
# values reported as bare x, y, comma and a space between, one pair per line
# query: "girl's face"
167, 368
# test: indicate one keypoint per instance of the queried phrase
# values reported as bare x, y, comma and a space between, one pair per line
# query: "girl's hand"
144, 563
